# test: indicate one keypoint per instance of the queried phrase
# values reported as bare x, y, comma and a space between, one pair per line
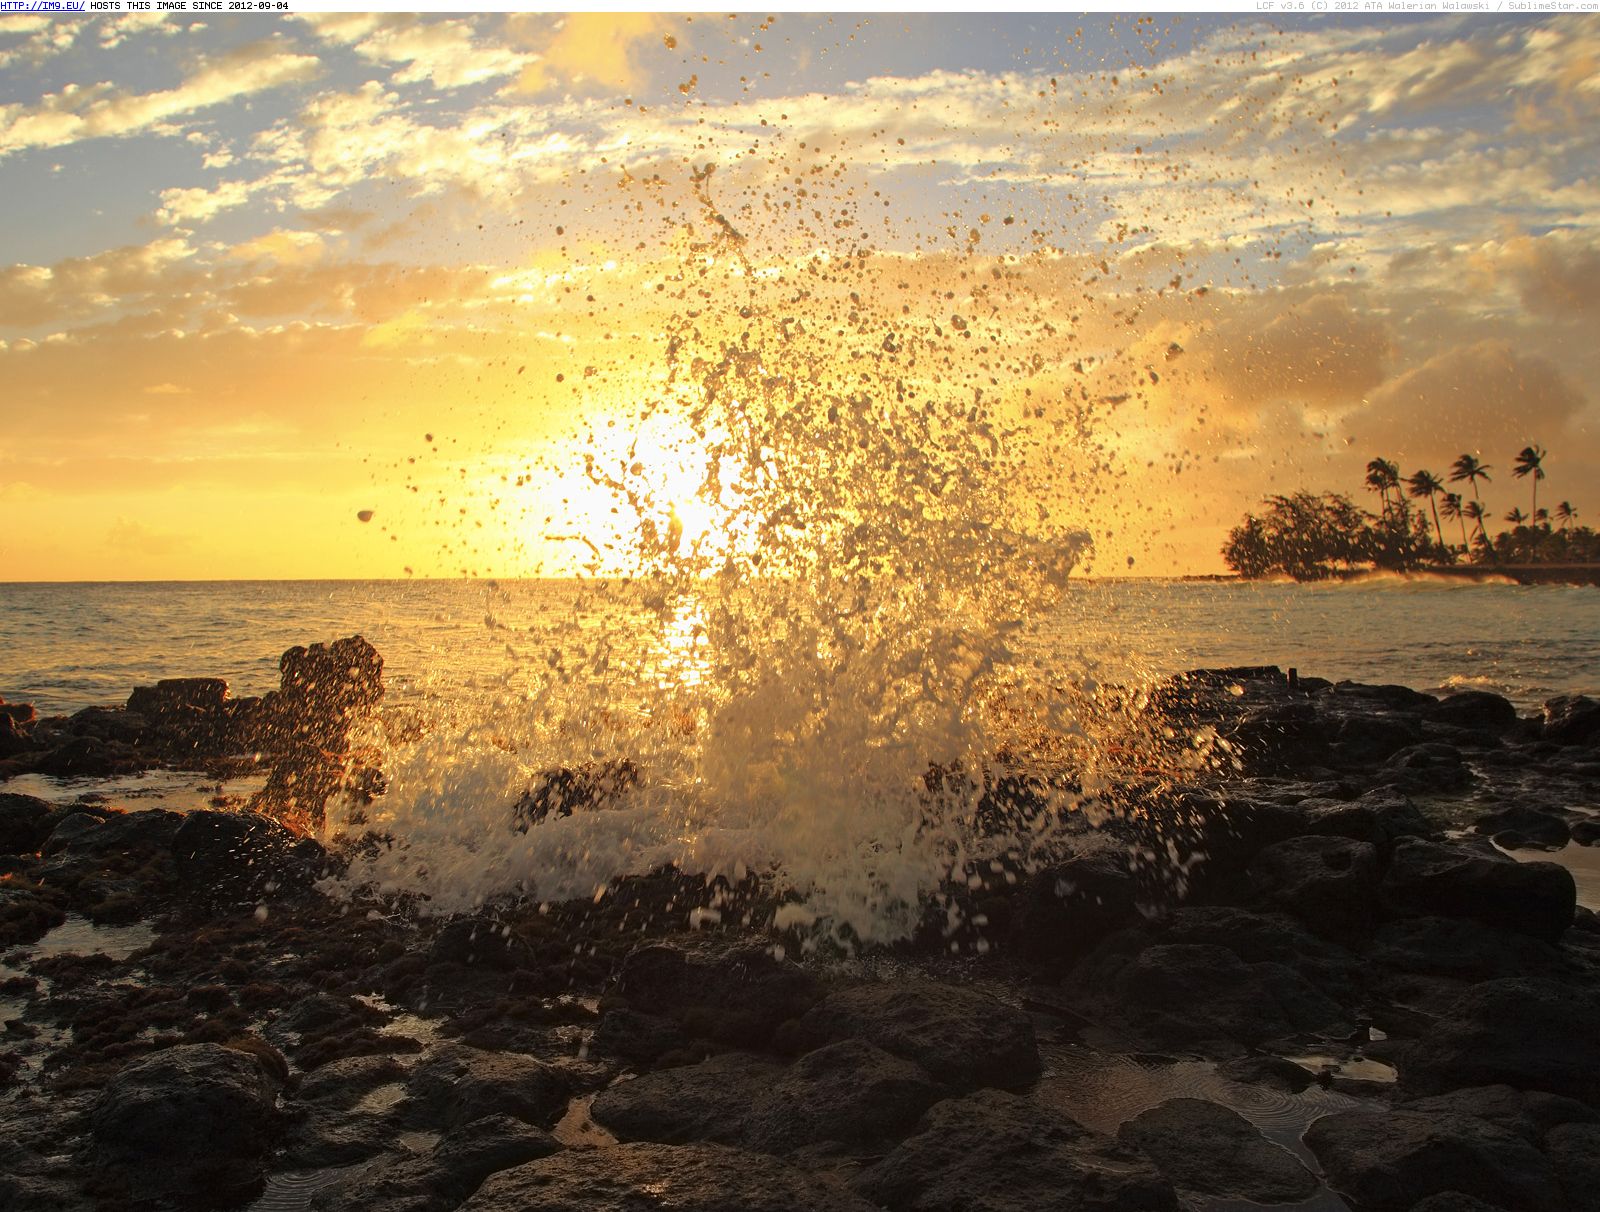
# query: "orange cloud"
595, 49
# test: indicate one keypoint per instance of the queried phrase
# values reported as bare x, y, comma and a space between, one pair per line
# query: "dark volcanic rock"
455, 1085
1066, 909
1457, 947
660, 1178
1529, 1113
190, 1122
1531, 1034
439, 1180
849, 1092
24, 823
636, 1037
1572, 719
482, 942
1329, 882
1427, 769
1475, 709
241, 854
1196, 993
1387, 1162
739, 998
963, 1039
994, 1152
1574, 1151
1381, 816
1455, 881
1202, 1146
1271, 938
1530, 826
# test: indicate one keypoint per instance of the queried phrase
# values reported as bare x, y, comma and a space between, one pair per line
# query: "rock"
14, 738
962, 1038
1201, 1146
442, 1178
1571, 719
1586, 833
1454, 1201
660, 1178
67, 830
481, 941
27, 913
243, 855
710, 1101
190, 1122
1379, 817
90, 757
1427, 769
560, 791
1331, 883
1435, 879
1361, 742
1530, 1034
636, 1037
1543, 830
1275, 938
739, 998
1388, 1161
1475, 709
1528, 1113
455, 1085
1181, 994
23, 823
1454, 947
850, 1093
994, 1152
1064, 910
1574, 1151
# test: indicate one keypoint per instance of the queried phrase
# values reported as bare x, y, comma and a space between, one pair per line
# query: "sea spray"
832, 519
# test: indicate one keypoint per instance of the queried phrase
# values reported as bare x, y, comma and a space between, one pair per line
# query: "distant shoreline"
1521, 574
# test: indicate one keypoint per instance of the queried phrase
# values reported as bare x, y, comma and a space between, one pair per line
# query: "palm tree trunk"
1437, 529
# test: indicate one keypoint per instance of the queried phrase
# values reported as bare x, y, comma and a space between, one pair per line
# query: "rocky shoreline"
1315, 979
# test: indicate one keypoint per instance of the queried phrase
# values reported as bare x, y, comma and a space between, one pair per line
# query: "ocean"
69, 646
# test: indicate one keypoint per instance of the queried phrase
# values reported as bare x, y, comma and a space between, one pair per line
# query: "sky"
351, 295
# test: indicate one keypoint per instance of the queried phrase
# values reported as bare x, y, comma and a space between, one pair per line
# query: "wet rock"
560, 791
1447, 946
1436, 879
1387, 1161
962, 1038
231, 855
1571, 719
850, 1093
1530, 1034
67, 830
1531, 827
1528, 1113
1202, 1146
636, 1037
739, 998
994, 1152
191, 1122
23, 823
1180, 994
1380, 817
1430, 768
1586, 833
1066, 909
660, 1178
90, 757
1331, 883
1361, 742
439, 1180
1574, 1151
710, 1101
1273, 1072
1475, 709
328, 1130
1276, 938
455, 1085
27, 912
1454, 1201
481, 941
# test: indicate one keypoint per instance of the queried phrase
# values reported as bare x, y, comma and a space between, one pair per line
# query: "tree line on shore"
1311, 536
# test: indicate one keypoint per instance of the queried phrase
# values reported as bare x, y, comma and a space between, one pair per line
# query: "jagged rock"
1202, 1146
1455, 881
739, 998
481, 941
439, 1180
1529, 1113
1571, 719
660, 1178
455, 1085
1388, 1161
1066, 909
1528, 826
1475, 709
558, 792
24, 823
1380, 817
1456, 947
1531, 1034
994, 1152
963, 1039
1181, 994
1430, 768
636, 1037
191, 1122
1329, 882
240, 854
849, 1092
1574, 1151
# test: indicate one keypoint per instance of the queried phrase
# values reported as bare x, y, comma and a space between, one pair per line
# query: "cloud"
1555, 275
446, 53
79, 287
600, 50
186, 207
80, 112
1485, 396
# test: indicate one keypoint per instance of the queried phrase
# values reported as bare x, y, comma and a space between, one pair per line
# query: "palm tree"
1516, 517
1566, 514
1452, 509
1530, 462
1383, 475
1475, 512
1426, 484
1468, 468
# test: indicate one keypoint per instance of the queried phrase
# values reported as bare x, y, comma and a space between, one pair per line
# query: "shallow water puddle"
79, 936
292, 1190
174, 790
